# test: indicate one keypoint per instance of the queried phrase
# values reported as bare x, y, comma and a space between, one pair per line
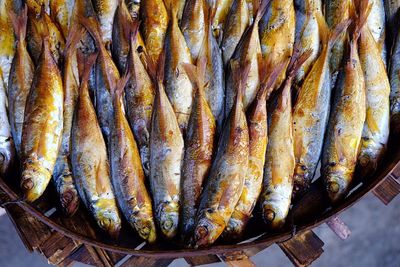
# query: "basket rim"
389, 167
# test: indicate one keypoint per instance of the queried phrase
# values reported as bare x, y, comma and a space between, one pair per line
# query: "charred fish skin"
155, 24
307, 33
225, 183
139, 96
199, 149
193, 25
236, 23
376, 128
166, 155
336, 12
106, 74
42, 128
127, 175
311, 110
89, 161
394, 75
177, 83
105, 10
345, 128
376, 23
277, 32
277, 185
214, 76
20, 79
248, 49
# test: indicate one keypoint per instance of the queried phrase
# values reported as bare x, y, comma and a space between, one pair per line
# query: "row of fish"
216, 105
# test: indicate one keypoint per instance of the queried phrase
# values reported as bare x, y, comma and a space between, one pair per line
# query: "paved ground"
374, 241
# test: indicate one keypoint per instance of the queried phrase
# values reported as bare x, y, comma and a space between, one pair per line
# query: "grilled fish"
225, 183
139, 95
307, 33
377, 88
277, 30
166, 154
336, 12
277, 184
127, 175
155, 24
214, 87
89, 160
346, 124
199, 148
106, 74
43, 124
62, 175
7, 40
105, 10
311, 110
20, 79
61, 12
258, 133
193, 25
177, 84
236, 23
248, 50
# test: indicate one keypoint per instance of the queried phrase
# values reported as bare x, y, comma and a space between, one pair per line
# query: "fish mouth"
34, 180
273, 216
367, 165
146, 229
109, 221
69, 201
234, 229
336, 186
6, 161
169, 224
208, 230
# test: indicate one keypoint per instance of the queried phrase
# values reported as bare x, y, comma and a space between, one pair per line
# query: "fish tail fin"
197, 73
260, 6
123, 13
359, 11
270, 74
74, 37
155, 69
119, 87
19, 22
240, 76
132, 33
92, 26
297, 61
85, 64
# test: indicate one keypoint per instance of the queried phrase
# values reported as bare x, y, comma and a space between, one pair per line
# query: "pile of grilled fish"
180, 116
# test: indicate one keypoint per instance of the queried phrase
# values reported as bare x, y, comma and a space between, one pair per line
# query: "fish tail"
19, 22
240, 76
297, 61
270, 74
74, 37
155, 71
132, 33
196, 74
86, 63
359, 11
92, 25
118, 89
260, 6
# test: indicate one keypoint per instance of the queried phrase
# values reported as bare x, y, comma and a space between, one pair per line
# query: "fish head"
302, 179
107, 216
34, 180
274, 214
368, 159
337, 181
145, 227
208, 228
234, 229
168, 219
6, 156
68, 197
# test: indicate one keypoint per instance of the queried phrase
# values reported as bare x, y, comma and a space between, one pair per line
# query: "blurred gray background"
374, 241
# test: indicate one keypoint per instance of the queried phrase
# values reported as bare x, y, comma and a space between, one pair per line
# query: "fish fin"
132, 33
371, 122
196, 74
240, 76
271, 74
119, 87
155, 70
297, 60
74, 37
124, 12
91, 24
360, 18
85, 64
260, 6
19, 22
